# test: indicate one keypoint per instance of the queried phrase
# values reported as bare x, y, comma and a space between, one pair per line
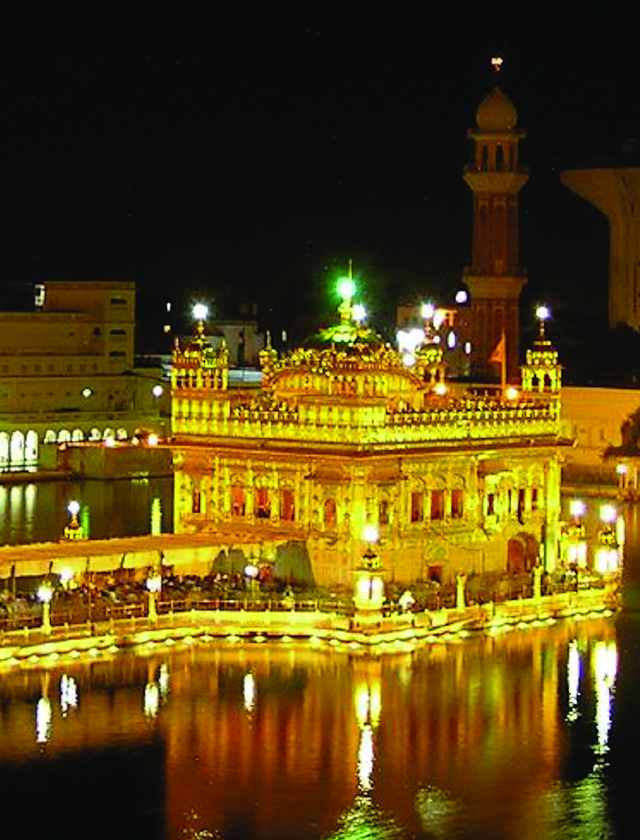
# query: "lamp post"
574, 536
606, 553
251, 573
154, 585
74, 530
543, 313
368, 595
66, 576
45, 594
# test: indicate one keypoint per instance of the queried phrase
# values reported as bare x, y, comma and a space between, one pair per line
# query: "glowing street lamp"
368, 595
251, 571
200, 312
574, 536
428, 311
543, 313
66, 576
346, 288
154, 585
577, 508
74, 530
359, 313
606, 557
45, 594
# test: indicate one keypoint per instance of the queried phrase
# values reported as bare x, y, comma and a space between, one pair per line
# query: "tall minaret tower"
495, 279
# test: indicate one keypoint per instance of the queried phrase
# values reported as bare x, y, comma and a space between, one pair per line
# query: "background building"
67, 373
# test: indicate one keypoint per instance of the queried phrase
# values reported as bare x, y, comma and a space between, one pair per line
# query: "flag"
499, 355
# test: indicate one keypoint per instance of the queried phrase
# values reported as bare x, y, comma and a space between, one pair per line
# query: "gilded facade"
342, 434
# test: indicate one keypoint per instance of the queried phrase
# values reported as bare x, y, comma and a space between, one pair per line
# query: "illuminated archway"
31, 448
77, 435
50, 436
4, 451
64, 436
16, 450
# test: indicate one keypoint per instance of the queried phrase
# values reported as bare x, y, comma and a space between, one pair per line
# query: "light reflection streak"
151, 699
365, 759
15, 513
30, 498
574, 672
249, 691
43, 720
163, 681
68, 694
368, 702
605, 667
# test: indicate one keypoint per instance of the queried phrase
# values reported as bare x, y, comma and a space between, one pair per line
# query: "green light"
346, 288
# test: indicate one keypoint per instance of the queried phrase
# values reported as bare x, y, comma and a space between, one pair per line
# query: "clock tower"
495, 279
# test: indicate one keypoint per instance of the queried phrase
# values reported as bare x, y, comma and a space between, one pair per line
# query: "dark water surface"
37, 512
512, 736
534, 733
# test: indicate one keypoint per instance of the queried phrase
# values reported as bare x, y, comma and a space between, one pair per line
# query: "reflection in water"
605, 666
43, 720
574, 672
460, 740
249, 691
68, 694
38, 512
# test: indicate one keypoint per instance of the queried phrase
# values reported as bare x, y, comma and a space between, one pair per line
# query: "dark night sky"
239, 153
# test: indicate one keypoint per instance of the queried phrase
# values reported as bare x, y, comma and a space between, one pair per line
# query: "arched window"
195, 500
64, 436
94, 434
50, 436
263, 503
77, 435
499, 159
31, 448
417, 506
121, 434
484, 159
457, 503
437, 503
108, 433
238, 501
287, 505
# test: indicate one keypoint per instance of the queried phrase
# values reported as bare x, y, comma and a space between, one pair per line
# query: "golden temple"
346, 433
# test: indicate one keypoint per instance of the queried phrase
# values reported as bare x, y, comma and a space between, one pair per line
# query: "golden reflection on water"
286, 741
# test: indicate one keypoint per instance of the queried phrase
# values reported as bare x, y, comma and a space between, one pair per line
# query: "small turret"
542, 374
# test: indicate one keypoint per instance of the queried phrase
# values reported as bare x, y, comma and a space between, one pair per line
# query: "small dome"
496, 112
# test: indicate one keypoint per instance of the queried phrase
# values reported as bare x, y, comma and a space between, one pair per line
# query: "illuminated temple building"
346, 433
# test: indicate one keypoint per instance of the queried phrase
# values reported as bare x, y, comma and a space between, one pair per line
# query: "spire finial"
542, 314
496, 63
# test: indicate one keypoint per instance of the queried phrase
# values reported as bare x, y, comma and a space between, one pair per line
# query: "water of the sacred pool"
533, 733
